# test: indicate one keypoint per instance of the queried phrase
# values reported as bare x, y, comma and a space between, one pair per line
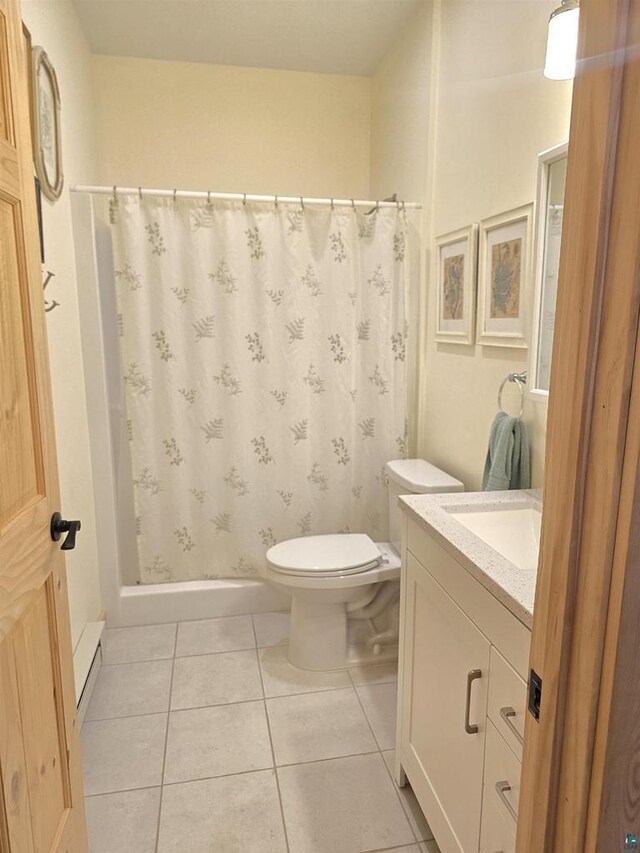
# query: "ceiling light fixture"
562, 41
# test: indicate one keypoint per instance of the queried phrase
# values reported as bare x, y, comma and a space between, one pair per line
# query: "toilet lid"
340, 553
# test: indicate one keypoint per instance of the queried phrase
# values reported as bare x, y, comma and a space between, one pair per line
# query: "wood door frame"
585, 631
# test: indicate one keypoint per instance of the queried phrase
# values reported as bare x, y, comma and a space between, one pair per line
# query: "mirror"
552, 173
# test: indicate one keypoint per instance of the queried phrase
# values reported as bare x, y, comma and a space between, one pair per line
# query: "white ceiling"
327, 36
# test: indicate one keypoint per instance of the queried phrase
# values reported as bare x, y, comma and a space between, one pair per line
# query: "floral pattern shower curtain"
263, 354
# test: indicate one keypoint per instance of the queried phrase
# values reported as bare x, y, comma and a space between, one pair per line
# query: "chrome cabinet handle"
501, 789
472, 676
506, 714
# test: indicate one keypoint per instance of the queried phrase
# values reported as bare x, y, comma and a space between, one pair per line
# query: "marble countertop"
513, 586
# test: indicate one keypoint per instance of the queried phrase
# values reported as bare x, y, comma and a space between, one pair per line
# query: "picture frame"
45, 107
504, 278
456, 259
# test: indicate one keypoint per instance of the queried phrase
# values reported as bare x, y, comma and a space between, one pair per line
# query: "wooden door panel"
25, 563
43, 727
6, 119
20, 460
15, 820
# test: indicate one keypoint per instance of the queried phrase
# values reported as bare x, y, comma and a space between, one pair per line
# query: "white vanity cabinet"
462, 699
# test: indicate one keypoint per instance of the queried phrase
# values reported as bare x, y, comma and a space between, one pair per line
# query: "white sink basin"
512, 532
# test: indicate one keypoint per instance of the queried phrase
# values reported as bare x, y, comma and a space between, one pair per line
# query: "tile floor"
202, 738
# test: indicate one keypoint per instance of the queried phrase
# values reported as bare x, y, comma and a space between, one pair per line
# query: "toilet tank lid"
421, 478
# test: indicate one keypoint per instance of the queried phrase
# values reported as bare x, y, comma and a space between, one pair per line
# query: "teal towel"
508, 464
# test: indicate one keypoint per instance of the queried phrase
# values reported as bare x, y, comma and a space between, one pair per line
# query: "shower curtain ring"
301, 202
140, 192
114, 192
332, 205
244, 199
208, 197
353, 204
175, 193
276, 200
397, 204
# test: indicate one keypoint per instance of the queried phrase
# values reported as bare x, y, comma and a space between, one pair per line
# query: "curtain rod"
276, 199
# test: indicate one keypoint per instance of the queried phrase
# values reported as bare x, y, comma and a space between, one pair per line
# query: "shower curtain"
263, 355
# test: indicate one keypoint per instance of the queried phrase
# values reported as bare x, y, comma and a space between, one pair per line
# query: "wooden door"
446, 761
580, 772
41, 798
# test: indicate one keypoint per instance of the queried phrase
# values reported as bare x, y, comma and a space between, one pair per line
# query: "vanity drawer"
501, 777
498, 833
507, 694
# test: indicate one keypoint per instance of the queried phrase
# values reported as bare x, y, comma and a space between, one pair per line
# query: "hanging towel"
508, 464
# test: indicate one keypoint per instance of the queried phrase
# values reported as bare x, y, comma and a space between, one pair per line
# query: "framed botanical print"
456, 259
46, 125
504, 274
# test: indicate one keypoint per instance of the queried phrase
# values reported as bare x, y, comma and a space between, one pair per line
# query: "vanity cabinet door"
444, 710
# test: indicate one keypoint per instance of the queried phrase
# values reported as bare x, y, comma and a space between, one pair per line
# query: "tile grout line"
405, 807
177, 657
122, 791
381, 751
366, 716
190, 621
237, 773
273, 753
197, 655
166, 740
222, 704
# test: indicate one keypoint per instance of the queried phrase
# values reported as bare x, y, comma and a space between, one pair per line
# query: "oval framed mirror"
46, 125
552, 172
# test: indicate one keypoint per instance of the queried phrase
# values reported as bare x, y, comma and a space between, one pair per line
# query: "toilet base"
319, 639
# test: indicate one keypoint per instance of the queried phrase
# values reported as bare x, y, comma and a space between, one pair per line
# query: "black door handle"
59, 525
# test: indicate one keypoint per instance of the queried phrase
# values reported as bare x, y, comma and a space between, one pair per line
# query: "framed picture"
46, 125
504, 276
456, 259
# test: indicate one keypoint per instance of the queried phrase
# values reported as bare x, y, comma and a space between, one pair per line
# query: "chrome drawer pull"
472, 676
506, 714
501, 789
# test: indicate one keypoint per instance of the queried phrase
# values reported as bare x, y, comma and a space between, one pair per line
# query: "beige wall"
401, 136
400, 112
495, 113
55, 26
230, 129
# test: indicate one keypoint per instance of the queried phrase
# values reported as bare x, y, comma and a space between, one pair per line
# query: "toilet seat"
325, 556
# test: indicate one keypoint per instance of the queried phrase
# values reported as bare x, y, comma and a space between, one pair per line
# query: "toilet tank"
414, 477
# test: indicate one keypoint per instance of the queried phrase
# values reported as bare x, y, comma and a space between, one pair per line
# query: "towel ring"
519, 379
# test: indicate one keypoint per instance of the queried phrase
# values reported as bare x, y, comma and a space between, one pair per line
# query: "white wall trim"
87, 660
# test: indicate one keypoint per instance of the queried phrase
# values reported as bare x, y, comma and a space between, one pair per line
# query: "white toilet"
340, 583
